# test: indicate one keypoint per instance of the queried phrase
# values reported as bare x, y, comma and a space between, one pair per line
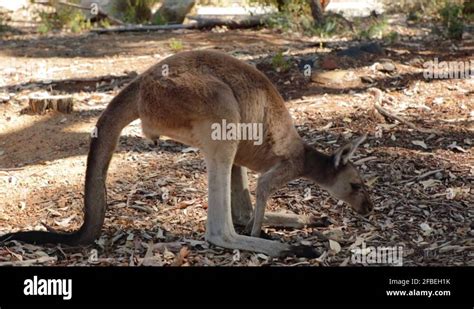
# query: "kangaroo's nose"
367, 208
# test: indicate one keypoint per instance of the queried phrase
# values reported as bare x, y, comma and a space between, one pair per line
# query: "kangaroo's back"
192, 87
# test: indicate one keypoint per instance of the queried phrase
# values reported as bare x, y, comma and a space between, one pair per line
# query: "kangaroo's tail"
122, 110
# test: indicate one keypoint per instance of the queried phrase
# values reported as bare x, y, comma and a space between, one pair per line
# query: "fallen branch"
388, 114
40, 260
140, 28
11, 169
384, 112
422, 176
231, 22
199, 23
141, 208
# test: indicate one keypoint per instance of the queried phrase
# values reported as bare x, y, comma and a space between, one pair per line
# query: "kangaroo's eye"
356, 186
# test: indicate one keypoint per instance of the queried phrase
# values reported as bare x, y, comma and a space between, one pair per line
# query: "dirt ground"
421, 183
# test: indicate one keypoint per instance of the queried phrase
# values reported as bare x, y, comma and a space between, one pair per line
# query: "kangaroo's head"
340, 177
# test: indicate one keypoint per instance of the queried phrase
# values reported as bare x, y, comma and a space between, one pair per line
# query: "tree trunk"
317, 11
280, 5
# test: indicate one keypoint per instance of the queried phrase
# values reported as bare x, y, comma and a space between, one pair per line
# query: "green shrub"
63, 18
176, 45
135, 11
451, 19
327, 29
391, 38
295, 16
414, 16
279, 63
2, 23
468, 11
159, 20
104, 23
376, 30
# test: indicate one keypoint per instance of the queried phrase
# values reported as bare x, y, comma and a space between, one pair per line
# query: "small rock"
467, 36
367, 80
416, 62
334, 77
386, 67
439, 175
4, 97
329, 63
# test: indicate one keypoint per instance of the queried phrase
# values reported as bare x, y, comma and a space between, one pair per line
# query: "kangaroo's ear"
344, 153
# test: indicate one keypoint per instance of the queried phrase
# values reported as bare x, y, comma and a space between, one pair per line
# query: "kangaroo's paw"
303, 251
234, 241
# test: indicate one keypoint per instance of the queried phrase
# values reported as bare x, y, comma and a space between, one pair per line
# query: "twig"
388, 114
419, 177
11, 169
299, 263
77, 6
142, 208
42, 259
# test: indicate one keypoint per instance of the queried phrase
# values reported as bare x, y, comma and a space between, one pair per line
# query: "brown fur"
202, 88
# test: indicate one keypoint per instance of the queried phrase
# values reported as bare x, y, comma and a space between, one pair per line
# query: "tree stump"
62, 104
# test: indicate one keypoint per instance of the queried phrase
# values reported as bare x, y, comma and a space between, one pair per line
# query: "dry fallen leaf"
65, 222
371, 181
335, 246
420, 143
183, 253
429, 183
335, 234
427, 230
189, 149
456, 147
185, 204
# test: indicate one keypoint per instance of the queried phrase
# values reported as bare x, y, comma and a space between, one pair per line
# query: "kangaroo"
182, 97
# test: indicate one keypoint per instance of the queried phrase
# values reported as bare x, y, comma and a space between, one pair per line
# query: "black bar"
194, 285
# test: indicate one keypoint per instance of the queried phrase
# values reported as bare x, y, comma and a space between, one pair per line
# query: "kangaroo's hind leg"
240, 196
